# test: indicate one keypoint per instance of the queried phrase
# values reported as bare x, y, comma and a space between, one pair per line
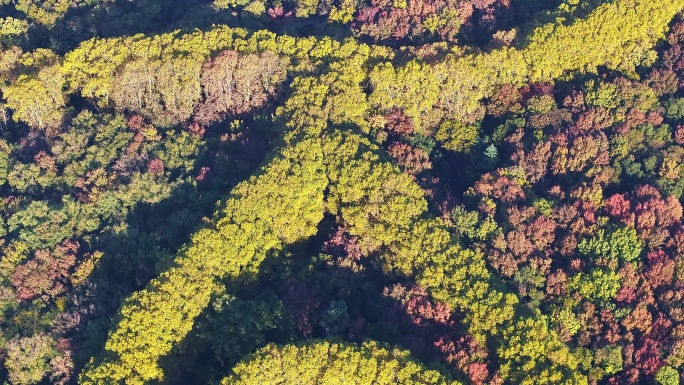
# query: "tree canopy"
261, 191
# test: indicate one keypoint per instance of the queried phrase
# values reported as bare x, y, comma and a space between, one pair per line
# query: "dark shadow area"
113, 18
146, 243
152, 17
528, 12
545, 15
291, 300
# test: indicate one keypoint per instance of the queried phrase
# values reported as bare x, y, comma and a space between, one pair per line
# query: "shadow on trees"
298, 286
151, 17
125, 18
143, 245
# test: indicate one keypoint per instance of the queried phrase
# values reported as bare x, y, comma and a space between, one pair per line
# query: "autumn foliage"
376, 191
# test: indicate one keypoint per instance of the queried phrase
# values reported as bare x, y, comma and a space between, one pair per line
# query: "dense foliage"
317, 191
323, 362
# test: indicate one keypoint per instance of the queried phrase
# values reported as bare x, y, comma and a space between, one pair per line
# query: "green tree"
598, 285
609, 360
237, 327
5, 150
335, 318
675, 108
620, 244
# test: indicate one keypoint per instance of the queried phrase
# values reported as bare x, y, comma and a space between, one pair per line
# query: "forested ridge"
342, 191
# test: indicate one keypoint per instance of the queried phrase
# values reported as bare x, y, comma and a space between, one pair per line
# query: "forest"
286, 192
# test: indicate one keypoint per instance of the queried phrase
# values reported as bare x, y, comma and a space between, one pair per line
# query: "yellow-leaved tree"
281, 205
323, 362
